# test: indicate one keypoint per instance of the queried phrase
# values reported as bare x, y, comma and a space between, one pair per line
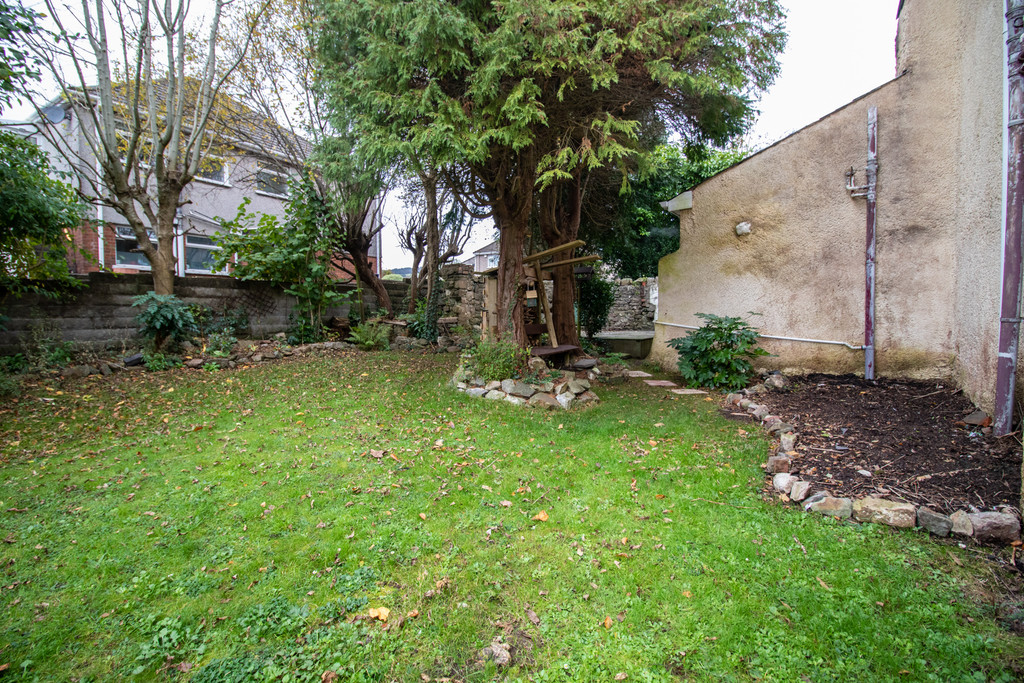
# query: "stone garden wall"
100, 315
636, 302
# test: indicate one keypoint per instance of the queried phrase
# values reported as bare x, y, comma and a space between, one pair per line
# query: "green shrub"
718, 354
421, 324
220, 343
15, 364
9, 385
158, 362
595, 302
164, 318
392, 277
371, 336
496, 359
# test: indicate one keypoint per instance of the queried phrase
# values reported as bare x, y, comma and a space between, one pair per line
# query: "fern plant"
163, 318
718, 355
371, 336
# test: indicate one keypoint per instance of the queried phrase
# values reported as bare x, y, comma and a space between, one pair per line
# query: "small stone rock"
995, 527
864, 473
832, 507
733, 399
565, 399
979, 418
522, 389
637, 373
461, 386
962, 525
780, 428
194, 363
881, 511
783, 482
745, 403
257, 358
760, 412
776, 382
537, 365
507, 385
787, 441
799, 491
813, 498
453, 349
546, 387
105, 369
546, 401
476, 392
771, 421
495, 394
498, 652
935, 522
756, 389
578, 386
493, 385
515, 400
779, 463
587, 397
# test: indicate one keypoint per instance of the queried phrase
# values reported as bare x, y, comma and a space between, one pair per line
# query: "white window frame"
270, 171
126, 232
203, 247
225, 165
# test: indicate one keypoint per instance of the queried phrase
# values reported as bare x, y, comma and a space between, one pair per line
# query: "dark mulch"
910, 434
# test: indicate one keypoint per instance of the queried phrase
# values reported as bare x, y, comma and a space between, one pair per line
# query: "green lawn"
245, 523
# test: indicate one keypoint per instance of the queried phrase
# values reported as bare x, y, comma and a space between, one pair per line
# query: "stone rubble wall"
100, 314
634, 308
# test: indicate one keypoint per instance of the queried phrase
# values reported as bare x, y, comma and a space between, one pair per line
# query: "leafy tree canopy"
17, 66
631, 231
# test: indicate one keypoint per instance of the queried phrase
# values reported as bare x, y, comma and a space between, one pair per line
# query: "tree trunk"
559, 218
414, 282
361, 262
511, 285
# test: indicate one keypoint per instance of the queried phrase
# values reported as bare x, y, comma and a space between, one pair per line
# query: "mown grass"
237, 526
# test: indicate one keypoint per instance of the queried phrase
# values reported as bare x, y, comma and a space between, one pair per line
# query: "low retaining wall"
101, 315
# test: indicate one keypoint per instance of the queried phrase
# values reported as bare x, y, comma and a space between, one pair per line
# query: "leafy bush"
718, 354
421, 324
392, 277
15, 364
220, 343
158, 362
371, 336
164, 318
595, 302
495, 359
9, 386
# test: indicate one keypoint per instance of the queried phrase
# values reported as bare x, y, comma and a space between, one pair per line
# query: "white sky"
837, 50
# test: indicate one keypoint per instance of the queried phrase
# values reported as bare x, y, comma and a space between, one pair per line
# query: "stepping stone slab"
659, 383
833, 507
888, 512
962, 525
637, 373
995, 527
689, 392
935, 522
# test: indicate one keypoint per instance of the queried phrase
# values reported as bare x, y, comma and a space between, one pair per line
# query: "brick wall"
100, 314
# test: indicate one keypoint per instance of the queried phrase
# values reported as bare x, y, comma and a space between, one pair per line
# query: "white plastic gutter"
773, 336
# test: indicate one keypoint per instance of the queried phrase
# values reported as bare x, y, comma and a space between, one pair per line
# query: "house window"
127, 247
492, 260
199, 254
272, 181
213, 169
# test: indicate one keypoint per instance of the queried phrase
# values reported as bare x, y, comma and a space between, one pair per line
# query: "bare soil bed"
909, 434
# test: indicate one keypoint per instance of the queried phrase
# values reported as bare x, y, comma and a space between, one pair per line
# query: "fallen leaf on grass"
607, 622
823, 584
505, 503
541, 516
328, 677
621, 676
381, 613
423, 515
413, 614
532, 616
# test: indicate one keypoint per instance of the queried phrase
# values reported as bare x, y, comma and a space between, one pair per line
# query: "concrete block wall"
100, 315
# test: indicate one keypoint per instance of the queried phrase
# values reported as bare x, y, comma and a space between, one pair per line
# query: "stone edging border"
996, 527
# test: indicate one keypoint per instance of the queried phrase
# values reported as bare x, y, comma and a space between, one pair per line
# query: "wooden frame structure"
541, 273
